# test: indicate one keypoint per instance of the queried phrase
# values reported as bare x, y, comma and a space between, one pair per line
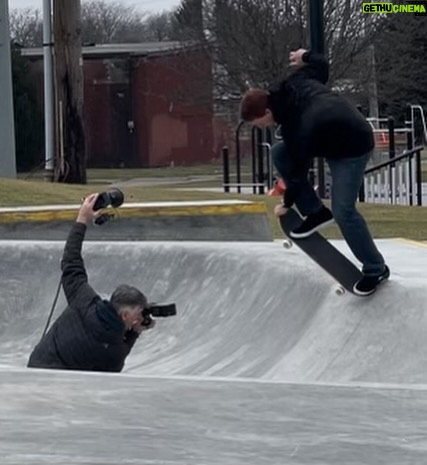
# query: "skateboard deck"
322, 252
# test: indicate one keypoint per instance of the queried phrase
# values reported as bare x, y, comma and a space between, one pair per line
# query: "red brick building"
145, 105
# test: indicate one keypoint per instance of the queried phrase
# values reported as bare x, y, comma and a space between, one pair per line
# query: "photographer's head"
129, 303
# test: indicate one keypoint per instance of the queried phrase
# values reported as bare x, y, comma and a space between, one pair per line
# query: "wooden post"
70, 166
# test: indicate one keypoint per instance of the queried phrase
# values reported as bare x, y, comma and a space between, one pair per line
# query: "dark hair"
254, 104
127, 295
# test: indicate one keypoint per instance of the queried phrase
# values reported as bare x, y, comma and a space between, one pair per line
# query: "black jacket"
88, 335
316, 122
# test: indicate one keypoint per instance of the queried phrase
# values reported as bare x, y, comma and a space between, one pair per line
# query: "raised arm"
309, 65
74, 277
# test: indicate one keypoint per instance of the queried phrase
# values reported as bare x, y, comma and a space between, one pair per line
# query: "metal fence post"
238, 170
391, 138
391, 155
254, 162
419, 180
260, 161
226, 168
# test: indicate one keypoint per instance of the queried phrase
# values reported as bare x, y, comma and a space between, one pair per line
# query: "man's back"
83, 344
315, 120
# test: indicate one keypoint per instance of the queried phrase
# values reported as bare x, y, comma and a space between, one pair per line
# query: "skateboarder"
91, 334
316, 122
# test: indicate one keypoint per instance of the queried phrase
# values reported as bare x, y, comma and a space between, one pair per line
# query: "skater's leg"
347, 177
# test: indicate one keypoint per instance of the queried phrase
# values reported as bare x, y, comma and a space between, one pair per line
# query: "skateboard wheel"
340, 291
287, 244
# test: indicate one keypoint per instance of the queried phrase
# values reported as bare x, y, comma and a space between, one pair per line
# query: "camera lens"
116, 197
113, 197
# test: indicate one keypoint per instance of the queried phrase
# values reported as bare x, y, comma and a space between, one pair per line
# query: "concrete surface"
263, 364
217, 220
67, 418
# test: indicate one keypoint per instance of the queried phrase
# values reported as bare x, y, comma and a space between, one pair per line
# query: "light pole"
49, 113
317, 34
317, 44
7, 127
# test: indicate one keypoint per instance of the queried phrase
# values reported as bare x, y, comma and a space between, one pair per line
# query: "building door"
122, 130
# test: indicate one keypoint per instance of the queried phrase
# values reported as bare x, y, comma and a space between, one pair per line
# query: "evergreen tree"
401, 52
28, 116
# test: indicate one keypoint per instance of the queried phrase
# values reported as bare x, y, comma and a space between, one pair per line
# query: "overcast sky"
144, 5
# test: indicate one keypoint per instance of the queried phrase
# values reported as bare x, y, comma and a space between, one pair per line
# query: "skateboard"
319, 249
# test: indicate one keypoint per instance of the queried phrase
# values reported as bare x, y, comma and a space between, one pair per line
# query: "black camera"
157, 310
113, 197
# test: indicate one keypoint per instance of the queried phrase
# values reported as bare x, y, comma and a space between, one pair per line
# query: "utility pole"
7, 127
71, 160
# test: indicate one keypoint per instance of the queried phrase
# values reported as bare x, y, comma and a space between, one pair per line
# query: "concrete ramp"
263, 364
247, 310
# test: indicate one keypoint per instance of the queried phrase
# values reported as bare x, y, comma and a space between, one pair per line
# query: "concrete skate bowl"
251, 310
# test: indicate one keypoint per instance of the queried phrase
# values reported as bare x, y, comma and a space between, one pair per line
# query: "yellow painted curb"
137, 211
422, 244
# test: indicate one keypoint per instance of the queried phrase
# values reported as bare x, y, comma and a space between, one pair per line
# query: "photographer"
91, 333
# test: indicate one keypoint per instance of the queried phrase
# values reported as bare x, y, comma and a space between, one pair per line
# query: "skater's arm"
309, 65
297, 175
74, 276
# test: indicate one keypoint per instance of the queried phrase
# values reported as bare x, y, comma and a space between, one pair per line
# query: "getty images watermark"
416, 7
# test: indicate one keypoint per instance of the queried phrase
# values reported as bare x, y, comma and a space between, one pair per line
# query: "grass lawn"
110, 175
215, 169
384, 220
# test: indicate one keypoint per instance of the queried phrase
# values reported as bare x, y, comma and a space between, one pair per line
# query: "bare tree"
26, 27
348, 35
102, 22
401, 64
158, 27
253, 37
113, 22
250, 39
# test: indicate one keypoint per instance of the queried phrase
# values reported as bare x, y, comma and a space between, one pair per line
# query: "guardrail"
261, 163
395, 181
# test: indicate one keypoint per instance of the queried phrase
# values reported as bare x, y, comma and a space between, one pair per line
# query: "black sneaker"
313, 223
368, 284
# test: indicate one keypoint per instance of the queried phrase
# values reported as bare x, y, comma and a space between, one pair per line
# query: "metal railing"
395, 181
261, 163
412, 110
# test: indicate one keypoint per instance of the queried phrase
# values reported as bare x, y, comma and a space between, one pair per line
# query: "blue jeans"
347, 177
